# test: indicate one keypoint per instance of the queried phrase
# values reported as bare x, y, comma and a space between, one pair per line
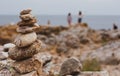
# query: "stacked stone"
27, 44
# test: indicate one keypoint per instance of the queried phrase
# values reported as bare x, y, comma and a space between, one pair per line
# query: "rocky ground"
97, 51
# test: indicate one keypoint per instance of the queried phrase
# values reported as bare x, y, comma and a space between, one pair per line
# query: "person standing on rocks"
80, 16
69, 19
48, 23
115, 27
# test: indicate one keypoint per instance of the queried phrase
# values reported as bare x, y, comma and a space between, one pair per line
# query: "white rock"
43, 57
23, 40
8, 45
3, 55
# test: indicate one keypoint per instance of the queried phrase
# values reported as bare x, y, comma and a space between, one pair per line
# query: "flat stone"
23, 40
71, 66
27, 11
26, 29
26, 17
17, 53
27, 66
27, 23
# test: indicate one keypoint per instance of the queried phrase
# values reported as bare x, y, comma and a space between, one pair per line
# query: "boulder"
23, 40
17, 53
27, 66
50, 41
107, 54
71, 66
72, 41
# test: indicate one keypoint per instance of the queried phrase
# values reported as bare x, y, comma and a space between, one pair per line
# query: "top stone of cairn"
28, 22
27, 11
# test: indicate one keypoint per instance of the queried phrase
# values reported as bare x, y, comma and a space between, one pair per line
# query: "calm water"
96, 22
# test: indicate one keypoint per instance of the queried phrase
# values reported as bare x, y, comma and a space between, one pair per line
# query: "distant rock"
108, 54
84, 40
62, 47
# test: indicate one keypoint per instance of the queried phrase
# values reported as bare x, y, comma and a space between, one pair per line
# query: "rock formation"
27, 45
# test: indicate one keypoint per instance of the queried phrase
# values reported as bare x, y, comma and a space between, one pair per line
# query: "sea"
93, 21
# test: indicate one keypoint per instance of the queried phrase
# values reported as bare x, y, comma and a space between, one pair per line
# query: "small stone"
3, 55
26, 17
27, 11
1, 48
8, 72
36, 25
17, 53
8, 46
23, 40
71, 66
43, 57
27, 23
34, 73
84, 40
62, 47
27, 66
26, 29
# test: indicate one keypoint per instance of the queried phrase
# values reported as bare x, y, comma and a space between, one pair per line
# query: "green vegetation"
91, 65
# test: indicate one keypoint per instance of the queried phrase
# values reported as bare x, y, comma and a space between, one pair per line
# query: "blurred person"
69, 19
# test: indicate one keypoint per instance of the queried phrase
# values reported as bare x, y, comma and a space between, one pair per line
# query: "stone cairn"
27, 45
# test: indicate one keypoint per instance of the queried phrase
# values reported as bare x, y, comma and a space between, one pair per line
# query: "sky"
61, 7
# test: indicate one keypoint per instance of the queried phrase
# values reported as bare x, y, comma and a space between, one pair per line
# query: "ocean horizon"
93, 21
